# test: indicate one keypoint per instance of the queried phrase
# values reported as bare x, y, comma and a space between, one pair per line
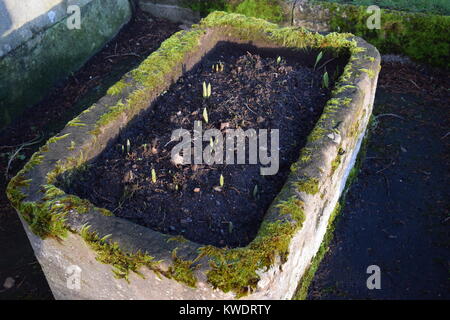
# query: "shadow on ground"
396, 214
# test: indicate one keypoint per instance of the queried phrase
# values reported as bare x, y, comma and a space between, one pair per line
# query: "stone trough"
87, 253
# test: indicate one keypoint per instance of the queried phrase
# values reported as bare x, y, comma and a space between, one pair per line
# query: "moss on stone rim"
304, 283
237, 269
308, 185
109, 252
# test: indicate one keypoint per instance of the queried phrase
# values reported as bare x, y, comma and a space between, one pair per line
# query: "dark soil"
254, 90
67, 99
396, 215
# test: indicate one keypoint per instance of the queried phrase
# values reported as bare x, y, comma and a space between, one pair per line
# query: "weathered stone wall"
37, 48
172, 10
306, 14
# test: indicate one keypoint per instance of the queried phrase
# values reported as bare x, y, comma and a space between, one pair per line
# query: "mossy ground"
426, 6
270, 10
422, 37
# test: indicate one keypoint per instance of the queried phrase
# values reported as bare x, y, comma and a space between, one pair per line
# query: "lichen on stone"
308, 185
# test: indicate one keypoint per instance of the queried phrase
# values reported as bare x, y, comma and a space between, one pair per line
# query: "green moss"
336, 162
236, 269
123, 263
16, 184
425, 6
14, 189
371, 59
423, 37
292, 207
204, 7
305, 155
118, 88
265, 9
105, 212
76, 123
55, 173
294, 167
113, 113
178, 238
44, 219
308, 185
150, 75
318, 132
371, 73
110, 253
47, 218
270, 10
346, 101
182, 270
56, 138
72, 146
291, 37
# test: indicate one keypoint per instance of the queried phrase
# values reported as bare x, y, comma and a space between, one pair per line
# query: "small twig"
389, 115
414, 84
388, 166
21, 282
122, 55
231, 187
22, 146
249, 108
325, 64
387, 185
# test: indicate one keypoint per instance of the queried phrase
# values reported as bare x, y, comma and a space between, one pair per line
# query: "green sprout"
279, 60
218, 67
128, 146
221, 181
153, 176
205, 115
206, 90
255, 191
318, 58
230, 227
326, 80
